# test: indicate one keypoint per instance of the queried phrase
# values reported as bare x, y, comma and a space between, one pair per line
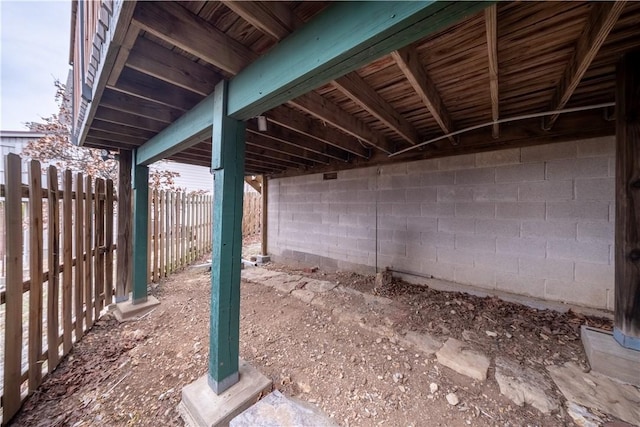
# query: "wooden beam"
124, 265
110, 115
627, 225
325, 110
264, 215
135, 83
175, 24
276, 158
141, 107
259, 15
260, 140
299, 140
115, 137
362, 94
491, 24
600, 22
140, 226
263, 165
298, 122
122, 129
255, 182
123, 53
409, 63
164, 64
185, 132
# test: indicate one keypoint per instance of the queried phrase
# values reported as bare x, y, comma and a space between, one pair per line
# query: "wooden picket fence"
50, 304
252, 207
180, 230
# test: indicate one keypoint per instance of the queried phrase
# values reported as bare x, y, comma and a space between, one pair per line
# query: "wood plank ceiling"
512, 59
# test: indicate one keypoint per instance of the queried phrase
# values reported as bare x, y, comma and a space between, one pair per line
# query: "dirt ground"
132, 373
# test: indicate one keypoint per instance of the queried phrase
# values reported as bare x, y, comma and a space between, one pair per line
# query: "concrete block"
578, 211
542, 153
589, 167
392, 222
437, 209
366, 245
520, 173
416, 225
496, 262
126, 311
500, 157
578, 251
521, 246
520, 210
420, 195
601, 189
609, 358
612, 167
406, 209
475, 243
456, 225
598, 231
455, 194
394, 169
392, 196
420, 166
603, 146
348, 220
496, 193
475, 209
612, 212
404, 237
557, 229
356, 173
366, 196
392, 248
546, 268
482, 277
545, 191
465, 161
498, 227
524, 285
437, 239
430, 179
453, 256
437, 270
476, 176
586, 294
597, 274
277, 410
200, 406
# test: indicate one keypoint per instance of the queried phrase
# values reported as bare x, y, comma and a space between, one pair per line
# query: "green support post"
227, 164
140, 226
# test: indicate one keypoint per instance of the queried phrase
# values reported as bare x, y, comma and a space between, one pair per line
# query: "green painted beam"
227, 162
140, 228
187, 131
344, 37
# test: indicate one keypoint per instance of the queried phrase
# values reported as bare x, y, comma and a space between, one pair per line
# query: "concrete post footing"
606, 356
126, 310
262, 259
202, 407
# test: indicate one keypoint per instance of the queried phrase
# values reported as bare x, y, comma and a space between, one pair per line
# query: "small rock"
508, 335
491, 333
433, 387
402, 388
304, 387
397, 377
452, 399
378, 340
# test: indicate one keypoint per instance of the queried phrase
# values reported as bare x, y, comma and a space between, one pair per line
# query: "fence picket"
98, 256
67, 273
13, 293
108, 290
79, 277
53, 295
162, 233
35, 273
88, 261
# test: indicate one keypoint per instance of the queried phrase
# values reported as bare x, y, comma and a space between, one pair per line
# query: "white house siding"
537, 221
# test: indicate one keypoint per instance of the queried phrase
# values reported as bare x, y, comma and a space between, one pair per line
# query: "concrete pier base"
609, 358
263, 259
126, 311
201, 407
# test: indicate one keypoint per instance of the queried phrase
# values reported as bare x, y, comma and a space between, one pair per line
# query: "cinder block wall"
536, 221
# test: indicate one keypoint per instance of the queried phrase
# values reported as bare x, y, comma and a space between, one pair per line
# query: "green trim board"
140, 227
190, 129
228, 153
346, 36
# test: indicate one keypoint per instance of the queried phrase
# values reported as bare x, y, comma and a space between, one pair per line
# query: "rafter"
173, 23
491, 23
120, 117
285, 148
262, 16
364, 95
600, 22
325, 110
409, 63
164, 64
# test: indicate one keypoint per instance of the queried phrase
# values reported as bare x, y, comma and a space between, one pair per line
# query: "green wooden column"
140, 227
227, 164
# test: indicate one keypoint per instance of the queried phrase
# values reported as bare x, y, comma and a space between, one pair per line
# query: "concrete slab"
201, 407
422, 342
597, 391
319, 286
126, 311
263, 259
471, 363
277, 410
609, 358
523, 385
304, 295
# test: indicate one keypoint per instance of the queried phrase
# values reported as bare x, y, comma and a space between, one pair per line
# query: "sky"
34, 47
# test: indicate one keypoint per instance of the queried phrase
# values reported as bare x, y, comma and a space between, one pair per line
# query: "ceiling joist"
600, 22
286, 148
491, 23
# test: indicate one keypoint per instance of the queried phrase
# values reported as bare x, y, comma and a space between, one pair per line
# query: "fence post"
13, 295
140, 229
124, 257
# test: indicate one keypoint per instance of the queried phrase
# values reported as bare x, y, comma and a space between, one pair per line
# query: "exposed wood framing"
264, 17
255, 182
491, 24
123, 54
409, 63
284, 147
600, 22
